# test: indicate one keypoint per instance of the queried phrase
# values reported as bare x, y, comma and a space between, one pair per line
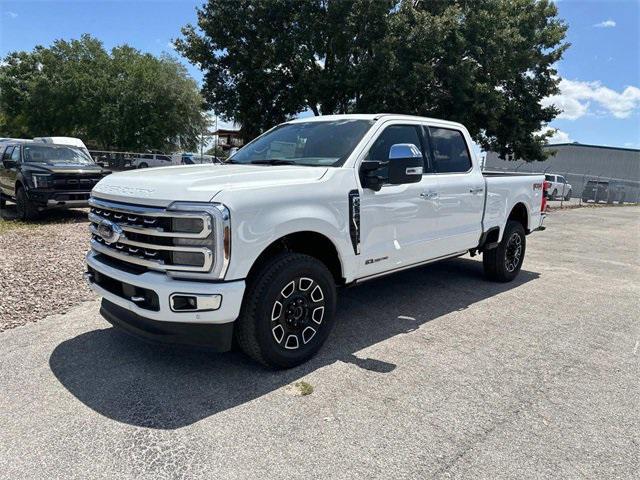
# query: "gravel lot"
41, 266
431, 373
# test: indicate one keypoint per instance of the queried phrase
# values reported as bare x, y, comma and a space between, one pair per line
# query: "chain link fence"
593, 188
115, 160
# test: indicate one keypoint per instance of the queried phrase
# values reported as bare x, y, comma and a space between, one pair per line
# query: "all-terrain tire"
265, 331
500, 263
24, 208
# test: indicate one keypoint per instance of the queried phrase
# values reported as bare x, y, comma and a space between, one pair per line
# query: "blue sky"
600, 72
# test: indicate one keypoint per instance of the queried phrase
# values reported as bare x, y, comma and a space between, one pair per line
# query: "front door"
8, 171
398, 221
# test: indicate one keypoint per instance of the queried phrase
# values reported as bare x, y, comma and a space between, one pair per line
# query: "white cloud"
576, 98
606, 24
558, 136
11, 14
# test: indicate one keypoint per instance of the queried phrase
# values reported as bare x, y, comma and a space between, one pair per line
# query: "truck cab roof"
373, 117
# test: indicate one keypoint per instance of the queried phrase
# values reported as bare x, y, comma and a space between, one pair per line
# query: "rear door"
460, 190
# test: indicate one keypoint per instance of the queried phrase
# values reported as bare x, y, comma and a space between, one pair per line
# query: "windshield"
312, 143
55, 154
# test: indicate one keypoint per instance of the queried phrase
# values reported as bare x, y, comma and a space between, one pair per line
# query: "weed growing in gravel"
304, 388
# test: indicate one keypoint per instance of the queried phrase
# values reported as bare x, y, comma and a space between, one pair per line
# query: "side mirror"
405, 164
9, 163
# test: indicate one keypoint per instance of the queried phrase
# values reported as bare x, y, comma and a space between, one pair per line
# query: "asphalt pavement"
430, 373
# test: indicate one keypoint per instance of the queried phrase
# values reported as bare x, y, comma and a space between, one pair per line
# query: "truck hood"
71, 168
198, 183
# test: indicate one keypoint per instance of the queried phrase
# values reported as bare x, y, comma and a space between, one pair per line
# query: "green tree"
122, 99
485, 63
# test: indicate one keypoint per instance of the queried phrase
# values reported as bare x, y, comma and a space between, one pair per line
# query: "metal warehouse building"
580, 163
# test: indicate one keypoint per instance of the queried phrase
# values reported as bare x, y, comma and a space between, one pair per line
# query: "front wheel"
288, 311
24, 208
143, 165
503, 263
568, 196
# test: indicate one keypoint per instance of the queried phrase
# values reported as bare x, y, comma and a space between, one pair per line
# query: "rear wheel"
503, 263
288, 311
143, 165
554, 194
24, 208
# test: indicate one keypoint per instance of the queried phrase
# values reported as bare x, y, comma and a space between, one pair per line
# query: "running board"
406, 267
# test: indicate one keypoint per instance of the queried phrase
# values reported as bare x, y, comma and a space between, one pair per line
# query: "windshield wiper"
273, 161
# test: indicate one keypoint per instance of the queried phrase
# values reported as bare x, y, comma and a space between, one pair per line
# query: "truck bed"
504, 190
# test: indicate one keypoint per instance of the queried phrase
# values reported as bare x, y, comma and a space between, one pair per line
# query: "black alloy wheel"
288, 310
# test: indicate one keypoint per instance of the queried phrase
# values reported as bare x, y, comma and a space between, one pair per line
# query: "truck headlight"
186, 225
41, 180
219, 241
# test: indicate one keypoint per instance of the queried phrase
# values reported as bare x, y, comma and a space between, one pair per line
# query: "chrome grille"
157, 238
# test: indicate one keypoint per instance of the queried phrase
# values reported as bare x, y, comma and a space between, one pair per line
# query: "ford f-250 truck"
255, 248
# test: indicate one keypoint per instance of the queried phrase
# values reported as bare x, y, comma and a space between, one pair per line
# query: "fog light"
194, 303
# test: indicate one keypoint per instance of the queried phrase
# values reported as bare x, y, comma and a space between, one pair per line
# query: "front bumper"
59, 199
157, 315
217, 337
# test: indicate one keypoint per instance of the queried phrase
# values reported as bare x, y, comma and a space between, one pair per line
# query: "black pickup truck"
39, 176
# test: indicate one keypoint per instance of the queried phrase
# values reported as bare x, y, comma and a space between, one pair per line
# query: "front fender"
254, 230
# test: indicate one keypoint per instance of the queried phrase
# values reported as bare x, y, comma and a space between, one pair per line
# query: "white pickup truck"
254, 249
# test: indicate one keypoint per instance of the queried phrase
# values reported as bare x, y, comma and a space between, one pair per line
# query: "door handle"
476, 190
428, 195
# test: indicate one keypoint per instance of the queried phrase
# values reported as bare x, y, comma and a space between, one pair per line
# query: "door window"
7, 153
15, 156
450, 153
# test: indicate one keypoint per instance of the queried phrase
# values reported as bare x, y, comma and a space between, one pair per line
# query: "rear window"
450, 153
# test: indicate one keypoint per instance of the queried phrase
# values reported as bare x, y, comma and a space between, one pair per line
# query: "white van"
70, 141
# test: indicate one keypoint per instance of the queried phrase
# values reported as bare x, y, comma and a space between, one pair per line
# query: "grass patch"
304, 388
9, 222
9, 225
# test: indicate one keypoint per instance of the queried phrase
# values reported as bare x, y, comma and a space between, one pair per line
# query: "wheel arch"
520, 213
19, 184
308, 242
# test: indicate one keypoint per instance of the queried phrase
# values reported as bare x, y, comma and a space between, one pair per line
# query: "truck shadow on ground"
164, 387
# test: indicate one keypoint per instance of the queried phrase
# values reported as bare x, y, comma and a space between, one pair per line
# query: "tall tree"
122, 99
486, 63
